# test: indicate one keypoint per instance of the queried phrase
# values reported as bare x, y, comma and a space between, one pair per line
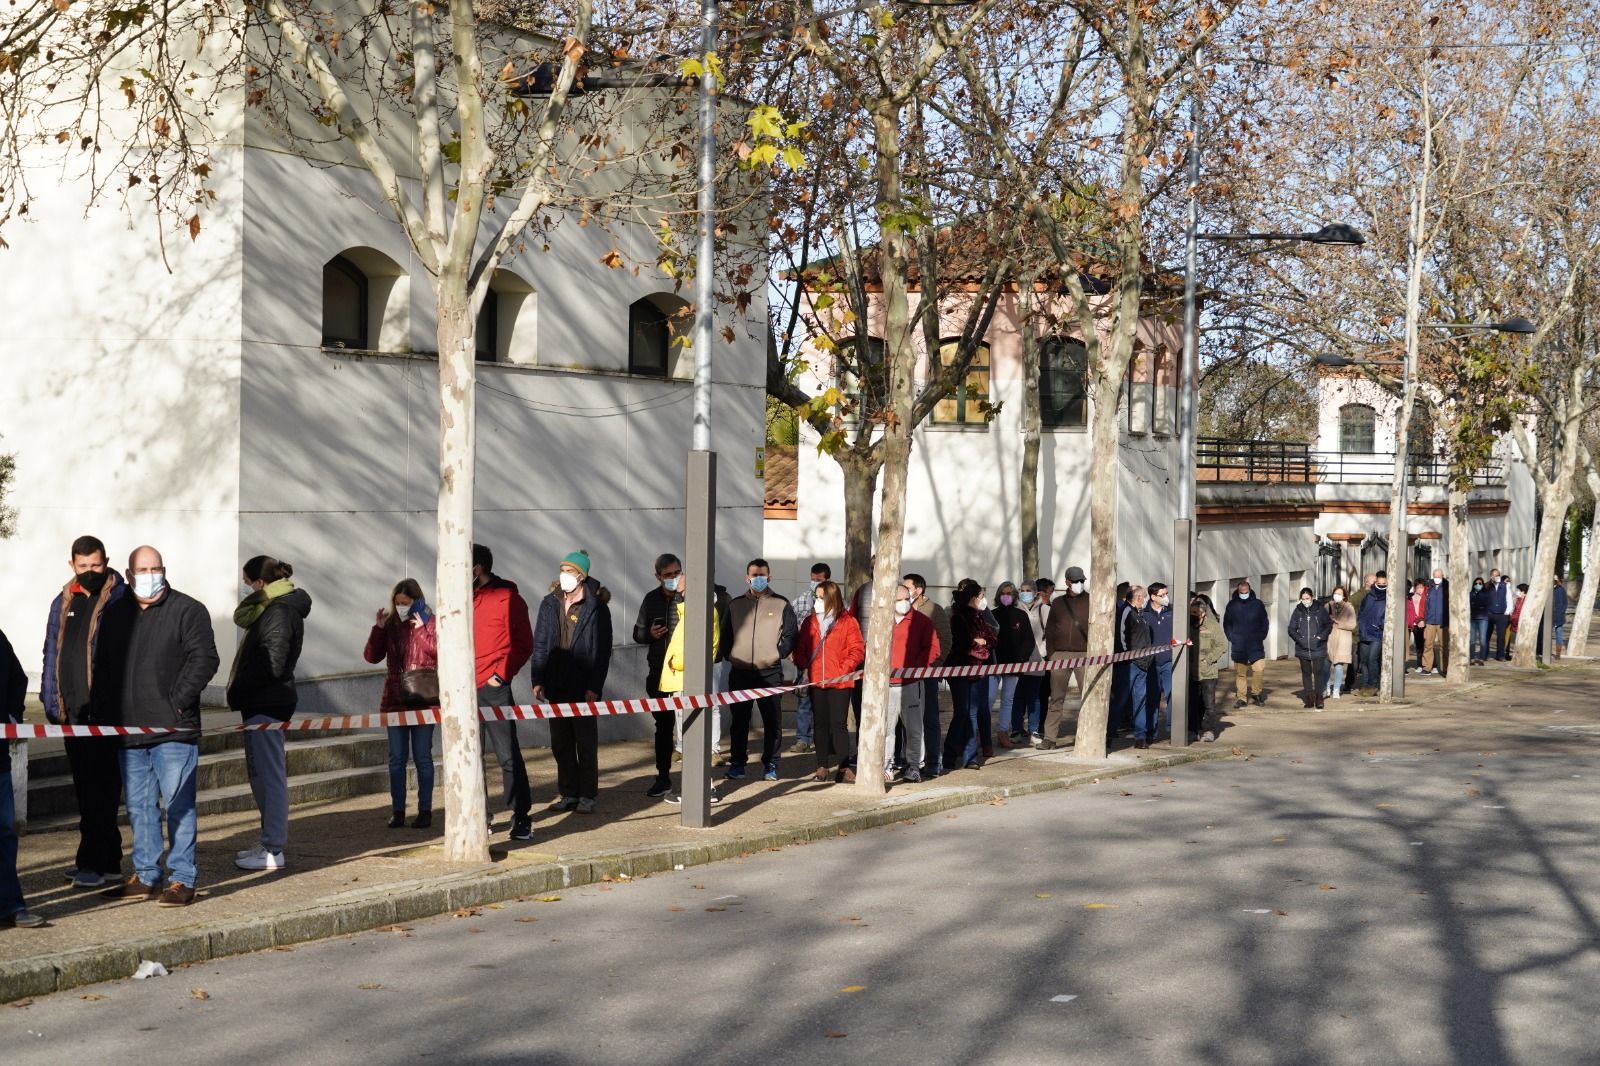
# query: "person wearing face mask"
570, 661
983, 688
502, 640
932, 748
1246, 625
1309, 627
1015, 644
804, 737
13, 695
915, 645
1513, 623
1341, 641
1416, 611
1066, 635
1209, 648
827, 650
1501, 600
763, 630
654, 626
1369, 627
972, 644
70, 635
1136, 637
1158, 612
261, 689
1435, 619
1032, 690
1478, 649
155, 656
404, 638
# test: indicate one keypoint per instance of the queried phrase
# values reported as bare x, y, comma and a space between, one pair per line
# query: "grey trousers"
905, 706
501, 737
269, 781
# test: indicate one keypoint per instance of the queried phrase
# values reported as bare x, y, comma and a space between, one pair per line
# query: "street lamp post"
1183, 527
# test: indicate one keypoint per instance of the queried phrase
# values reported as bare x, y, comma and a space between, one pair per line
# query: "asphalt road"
1408, 907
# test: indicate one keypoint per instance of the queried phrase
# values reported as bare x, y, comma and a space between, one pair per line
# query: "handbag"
419, 688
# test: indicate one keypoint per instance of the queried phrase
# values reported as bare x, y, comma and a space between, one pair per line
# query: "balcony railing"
1218, 459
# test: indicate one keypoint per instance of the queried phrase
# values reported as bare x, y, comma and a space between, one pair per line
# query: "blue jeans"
1160, 690
417, 740
961, 745
932, 753
1371, 663
1121, 698
1008, 701
1027, 706
164, 774
10, 885
1139, 690
1480, 639
1336, 678
804, 720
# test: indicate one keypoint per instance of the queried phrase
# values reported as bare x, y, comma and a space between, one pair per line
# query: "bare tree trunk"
1095, 710
1578, 639
1028, 495
1557, 497
860, 489
1459, 652
466, 837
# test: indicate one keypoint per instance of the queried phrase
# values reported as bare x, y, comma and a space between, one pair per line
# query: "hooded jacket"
569, 671
1369, 619
501, 634
73, 597
1309, 628
153, 664
262, 681
1210, 646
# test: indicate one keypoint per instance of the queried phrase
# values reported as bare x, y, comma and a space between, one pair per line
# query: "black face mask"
92, 582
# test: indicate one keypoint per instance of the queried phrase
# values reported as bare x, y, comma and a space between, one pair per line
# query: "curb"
411, 901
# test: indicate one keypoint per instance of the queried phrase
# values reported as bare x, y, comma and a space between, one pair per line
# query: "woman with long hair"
972, 640
1341, 641
830, 647
404, 638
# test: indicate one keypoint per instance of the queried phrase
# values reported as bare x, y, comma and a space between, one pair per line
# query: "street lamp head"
1330, 359
1515, 325
1336, 233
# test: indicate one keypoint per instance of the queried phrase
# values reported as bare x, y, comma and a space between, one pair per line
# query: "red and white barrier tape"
599, 708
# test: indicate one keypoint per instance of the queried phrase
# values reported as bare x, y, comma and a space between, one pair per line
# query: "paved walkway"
342, 855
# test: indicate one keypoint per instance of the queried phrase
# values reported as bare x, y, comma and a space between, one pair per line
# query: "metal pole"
1397, 650
1188, 381
700, 504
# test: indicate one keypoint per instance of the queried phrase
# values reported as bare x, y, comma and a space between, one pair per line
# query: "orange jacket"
841, 652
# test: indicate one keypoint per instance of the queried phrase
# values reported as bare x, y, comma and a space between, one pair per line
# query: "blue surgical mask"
1027, 597
670, 584
759, 583
149, 586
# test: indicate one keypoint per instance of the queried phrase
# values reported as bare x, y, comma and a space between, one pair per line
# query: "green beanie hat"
580, 559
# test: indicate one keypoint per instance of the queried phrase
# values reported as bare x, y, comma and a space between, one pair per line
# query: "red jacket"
841, 652
1415, 614
404, 647
916, 643
502, 635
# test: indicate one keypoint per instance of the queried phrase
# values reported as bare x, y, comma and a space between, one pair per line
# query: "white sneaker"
1333, 696
1435, 670
260, 859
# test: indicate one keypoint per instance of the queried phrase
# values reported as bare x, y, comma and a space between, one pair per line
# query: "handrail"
1221, 459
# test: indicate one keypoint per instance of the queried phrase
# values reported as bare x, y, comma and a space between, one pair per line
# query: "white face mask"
902, 607
1244, 595
568, 581
1338, 597
1305, 601
1077, 588
983, 603
1437, 580
149, 586
402, 611
819, 606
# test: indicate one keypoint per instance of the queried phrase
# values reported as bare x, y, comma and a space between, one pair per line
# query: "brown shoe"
177, 894
821, 774
847, 776
132, 888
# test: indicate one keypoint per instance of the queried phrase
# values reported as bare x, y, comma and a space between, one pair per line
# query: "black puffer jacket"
263, 670
567, 674
152, 665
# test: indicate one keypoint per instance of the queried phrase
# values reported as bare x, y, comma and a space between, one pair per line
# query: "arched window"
1358, 426
863, 375
1063, 383
345, 299
486, 335
968, 402
653, 322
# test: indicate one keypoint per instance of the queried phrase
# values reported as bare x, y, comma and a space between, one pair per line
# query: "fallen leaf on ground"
1328, 888
199, 993
853, 988
94, 997
1473, 792
1125, 793
21, 1004
1281, 914
393, 929
1235, 751
675, 910
1099, 906
369, 988
1041, 895
467, 912
525, 919
715, 910
1384, 806
834, 1034
1279, 840
547, 899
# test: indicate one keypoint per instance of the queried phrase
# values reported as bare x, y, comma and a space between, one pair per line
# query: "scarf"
250, 610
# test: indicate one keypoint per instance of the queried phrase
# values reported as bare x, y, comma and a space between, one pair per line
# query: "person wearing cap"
71, 632
571, 657
1066, 635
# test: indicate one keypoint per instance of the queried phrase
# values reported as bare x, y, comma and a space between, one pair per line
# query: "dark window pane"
487, 335
648, 338
1063, 383
863, 375
344, 305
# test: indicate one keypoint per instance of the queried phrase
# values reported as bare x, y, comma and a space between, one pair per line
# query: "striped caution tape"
597, 709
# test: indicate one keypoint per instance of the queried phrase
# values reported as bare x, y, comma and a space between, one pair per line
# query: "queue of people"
128, 649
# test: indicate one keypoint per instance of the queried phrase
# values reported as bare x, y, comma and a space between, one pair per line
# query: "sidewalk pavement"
348, 873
